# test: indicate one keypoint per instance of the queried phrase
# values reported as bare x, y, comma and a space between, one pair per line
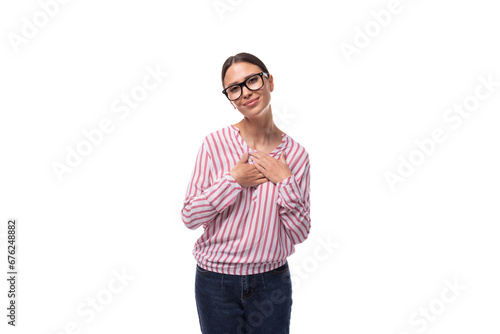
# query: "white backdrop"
105, 103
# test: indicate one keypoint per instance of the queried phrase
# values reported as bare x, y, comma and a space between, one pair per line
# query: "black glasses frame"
244, 83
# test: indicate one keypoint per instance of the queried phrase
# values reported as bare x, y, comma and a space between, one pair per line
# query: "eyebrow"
248, 76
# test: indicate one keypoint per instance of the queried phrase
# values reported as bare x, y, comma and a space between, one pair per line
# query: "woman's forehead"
237, 72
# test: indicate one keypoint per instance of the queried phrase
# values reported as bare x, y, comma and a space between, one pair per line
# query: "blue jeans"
250, 304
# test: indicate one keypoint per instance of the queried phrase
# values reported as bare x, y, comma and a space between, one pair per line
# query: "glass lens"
233, 92
255, 82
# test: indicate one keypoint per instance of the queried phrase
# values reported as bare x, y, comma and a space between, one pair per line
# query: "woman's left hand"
273, 169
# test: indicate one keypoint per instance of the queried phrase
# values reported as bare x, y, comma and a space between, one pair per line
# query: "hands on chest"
265, 168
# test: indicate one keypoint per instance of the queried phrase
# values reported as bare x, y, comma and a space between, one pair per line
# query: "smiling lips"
251, 102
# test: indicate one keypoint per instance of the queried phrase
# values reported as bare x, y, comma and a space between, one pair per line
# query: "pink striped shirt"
247, 230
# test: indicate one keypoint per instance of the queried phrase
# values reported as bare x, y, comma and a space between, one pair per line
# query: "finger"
255, 172
282, 157
244, 157
260, 168
259, 155
267, 161
264, 163
259, 175
260, 181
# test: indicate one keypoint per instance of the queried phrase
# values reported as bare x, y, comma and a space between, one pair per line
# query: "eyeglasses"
255, 82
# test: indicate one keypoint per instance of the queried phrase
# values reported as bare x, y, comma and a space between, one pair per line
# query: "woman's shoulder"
295, 145
219, 135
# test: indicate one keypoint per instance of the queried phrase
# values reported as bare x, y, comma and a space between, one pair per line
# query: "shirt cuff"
288, 194
231, 180
223, 192
285, 182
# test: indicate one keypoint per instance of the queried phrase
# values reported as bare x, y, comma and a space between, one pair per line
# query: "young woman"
250, 192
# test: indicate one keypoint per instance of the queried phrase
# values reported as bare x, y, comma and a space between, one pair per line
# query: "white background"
119, 209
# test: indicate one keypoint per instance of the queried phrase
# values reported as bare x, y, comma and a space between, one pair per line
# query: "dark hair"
242, 57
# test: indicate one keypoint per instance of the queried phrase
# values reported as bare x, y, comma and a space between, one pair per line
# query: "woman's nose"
245, 91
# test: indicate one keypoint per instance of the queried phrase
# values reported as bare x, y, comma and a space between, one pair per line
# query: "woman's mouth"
251, 102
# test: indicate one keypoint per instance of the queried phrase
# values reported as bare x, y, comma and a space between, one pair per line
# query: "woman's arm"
293, 199
203, 200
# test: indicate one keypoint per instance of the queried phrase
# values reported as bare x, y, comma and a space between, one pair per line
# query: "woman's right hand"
247, 175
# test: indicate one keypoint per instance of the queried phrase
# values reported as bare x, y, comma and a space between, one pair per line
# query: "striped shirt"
247, 230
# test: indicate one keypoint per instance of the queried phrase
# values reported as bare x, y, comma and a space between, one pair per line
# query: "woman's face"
237, 73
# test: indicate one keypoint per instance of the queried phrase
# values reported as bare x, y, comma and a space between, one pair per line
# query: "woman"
250, 192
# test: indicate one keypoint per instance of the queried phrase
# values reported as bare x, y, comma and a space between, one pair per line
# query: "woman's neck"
259, 131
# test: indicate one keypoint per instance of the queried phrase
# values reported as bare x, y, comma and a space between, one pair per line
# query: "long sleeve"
203, 200
294, 203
